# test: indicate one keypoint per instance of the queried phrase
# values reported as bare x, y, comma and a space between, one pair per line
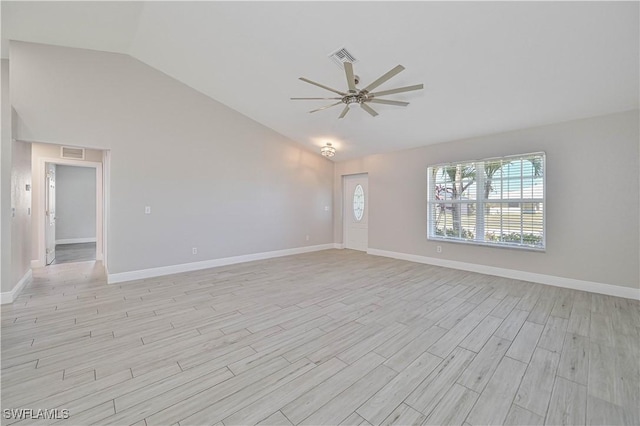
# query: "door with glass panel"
356, 212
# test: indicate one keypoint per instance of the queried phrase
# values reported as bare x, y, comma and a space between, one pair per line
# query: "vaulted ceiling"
487, 67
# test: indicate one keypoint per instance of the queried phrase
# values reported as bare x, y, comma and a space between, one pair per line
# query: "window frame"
480, 203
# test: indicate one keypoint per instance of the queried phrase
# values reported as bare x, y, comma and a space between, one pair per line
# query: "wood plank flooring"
332, 337
76, 252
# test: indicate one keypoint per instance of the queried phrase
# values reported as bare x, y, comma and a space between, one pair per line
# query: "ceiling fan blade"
388, 102
308, 99
398, 90
369, 109
325, 107
344, 112
306, 80
384, 78
351, 79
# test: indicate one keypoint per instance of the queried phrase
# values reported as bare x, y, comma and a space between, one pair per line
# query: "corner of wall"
5, 181
574, 284
10, 296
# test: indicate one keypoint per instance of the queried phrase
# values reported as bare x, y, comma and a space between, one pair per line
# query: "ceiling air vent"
341, 56
72, 153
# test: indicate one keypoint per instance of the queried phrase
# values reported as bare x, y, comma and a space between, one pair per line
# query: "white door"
356, 212
50, 213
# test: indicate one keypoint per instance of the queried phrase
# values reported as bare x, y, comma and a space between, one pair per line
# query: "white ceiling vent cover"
341, 56
72, 153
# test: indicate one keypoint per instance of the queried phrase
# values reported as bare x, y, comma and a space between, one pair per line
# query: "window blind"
497, 201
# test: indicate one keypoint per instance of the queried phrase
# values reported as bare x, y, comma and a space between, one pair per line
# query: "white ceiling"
487, 67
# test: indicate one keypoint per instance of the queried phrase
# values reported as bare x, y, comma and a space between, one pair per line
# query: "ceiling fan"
354, 97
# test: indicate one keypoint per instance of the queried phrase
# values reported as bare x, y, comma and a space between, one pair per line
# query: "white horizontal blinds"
516, 202
454, 201
509, 192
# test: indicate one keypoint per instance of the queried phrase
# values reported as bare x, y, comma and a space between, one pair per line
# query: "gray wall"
214, 179
592, 199
75, 203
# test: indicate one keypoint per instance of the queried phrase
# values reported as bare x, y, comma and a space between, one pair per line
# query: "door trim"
38, 214
49, 216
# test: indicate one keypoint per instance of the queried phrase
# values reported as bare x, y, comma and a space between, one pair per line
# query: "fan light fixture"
354, 98
328, 150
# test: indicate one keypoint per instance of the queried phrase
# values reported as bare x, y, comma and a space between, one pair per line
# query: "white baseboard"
37, 263
590, 286
206, 264
76, 240
10, 296
339, 246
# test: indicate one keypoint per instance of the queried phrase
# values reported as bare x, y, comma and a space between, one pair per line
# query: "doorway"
71, 214
356, 212
68, 211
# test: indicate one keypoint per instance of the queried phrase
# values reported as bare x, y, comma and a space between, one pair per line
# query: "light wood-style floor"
333, 337
77, 252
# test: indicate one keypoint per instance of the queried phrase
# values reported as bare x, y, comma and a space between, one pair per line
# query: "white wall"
21, 202
214, 179
5, 183
592, 199
15, 202
75, 203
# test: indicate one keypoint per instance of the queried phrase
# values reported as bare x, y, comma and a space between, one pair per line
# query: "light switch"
147, 210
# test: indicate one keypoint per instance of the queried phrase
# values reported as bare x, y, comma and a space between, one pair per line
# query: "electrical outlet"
438, 249
326, 208
307, 237
147, 210
194, 250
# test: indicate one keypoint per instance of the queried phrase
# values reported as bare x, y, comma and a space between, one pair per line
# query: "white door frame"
106, 206
346, 207
49, 222
40, 217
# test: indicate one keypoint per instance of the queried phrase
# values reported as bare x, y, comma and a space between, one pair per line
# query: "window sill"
486, 244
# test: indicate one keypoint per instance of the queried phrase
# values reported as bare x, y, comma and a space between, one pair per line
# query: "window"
497, 201
358, 203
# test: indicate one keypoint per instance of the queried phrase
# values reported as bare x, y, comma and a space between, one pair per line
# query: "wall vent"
72, 153
341, 56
